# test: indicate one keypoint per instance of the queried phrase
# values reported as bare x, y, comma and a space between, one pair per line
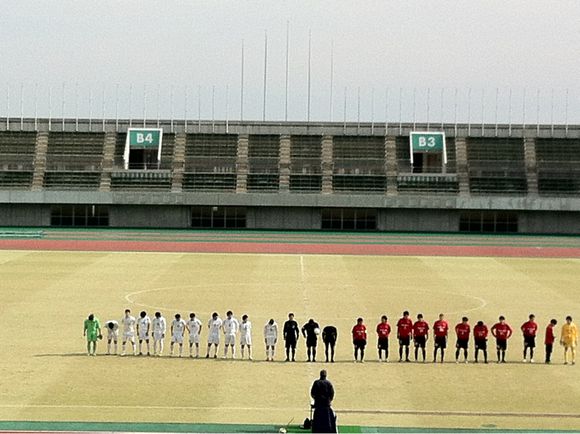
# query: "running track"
299, 243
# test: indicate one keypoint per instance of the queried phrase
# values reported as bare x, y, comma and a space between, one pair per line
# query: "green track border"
232, 428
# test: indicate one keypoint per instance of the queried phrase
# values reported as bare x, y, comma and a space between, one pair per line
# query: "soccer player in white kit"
213, 338
143, 328
194, 329
112, 335
230, 327
270, 337
159, 326
246, 336
128, 322
177, 331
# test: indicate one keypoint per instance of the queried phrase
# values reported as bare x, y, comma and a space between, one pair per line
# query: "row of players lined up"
407, 331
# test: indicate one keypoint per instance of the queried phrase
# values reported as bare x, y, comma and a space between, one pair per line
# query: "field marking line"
481, 306
443, 413
130, 296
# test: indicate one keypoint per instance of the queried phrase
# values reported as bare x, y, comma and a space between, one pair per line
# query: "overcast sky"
421, 47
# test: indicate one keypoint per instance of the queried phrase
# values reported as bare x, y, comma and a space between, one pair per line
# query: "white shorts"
157, 336
143, 337
230, 339
270, 341
113, 336
129, 336
246, 340
213, 339
177, 339
194, 339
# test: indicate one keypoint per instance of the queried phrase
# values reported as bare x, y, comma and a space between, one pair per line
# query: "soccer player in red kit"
420, 335
359, 339
462, 331
529, 329
501, 331
480, 337
383, 332
404, 332
549, 340
440, 330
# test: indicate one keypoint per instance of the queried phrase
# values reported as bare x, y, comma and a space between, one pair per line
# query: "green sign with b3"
428, 142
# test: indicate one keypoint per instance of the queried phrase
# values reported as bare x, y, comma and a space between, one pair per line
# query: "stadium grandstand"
485, 178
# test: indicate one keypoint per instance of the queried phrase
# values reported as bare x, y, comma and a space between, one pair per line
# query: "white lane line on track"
343, 411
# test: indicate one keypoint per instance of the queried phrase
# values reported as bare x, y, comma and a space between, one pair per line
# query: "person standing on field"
549, 340
159, 326
322, 392
270, 338
311, 330
92, 331
291, 333
193, 326
501, 331
143, 328
383, 332
404, 332
246, 336
230, 327
420, 336
440, 330
128, 322
178, 327
213, 338
480, 332
529, 330
329, 336
569, 339
112, 335
462, 330
359, 340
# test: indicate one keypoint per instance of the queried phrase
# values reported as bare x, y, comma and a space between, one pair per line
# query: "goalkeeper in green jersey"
92, 330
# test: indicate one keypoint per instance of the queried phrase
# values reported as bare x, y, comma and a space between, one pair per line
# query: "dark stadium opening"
218, 217
427, 162
79, 215
349, 219
488, 222
143, 159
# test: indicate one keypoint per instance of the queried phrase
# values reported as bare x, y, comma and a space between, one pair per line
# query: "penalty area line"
339, 411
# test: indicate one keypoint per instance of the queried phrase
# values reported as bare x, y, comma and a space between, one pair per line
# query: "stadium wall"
291, 176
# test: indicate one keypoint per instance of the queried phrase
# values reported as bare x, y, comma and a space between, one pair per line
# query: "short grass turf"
46, 375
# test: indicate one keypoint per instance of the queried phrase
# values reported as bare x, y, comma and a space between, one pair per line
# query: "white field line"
340, 411
130, 297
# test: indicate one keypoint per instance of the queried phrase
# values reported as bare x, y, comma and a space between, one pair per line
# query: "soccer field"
46, 375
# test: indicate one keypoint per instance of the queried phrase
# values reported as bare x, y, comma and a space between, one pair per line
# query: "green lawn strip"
299, 237
229, 428
134, 427
316, 241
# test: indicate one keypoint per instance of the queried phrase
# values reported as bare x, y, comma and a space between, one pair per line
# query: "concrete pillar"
242, 164
108, 160
327, 164
391, 164
178, 164
531, 165
461, 165
284, 164
39, 160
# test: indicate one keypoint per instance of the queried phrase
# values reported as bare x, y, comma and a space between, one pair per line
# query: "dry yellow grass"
47, 376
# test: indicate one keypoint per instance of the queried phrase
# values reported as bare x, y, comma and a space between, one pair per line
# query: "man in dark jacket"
322, 391
291, 334
329, 335
311, 330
